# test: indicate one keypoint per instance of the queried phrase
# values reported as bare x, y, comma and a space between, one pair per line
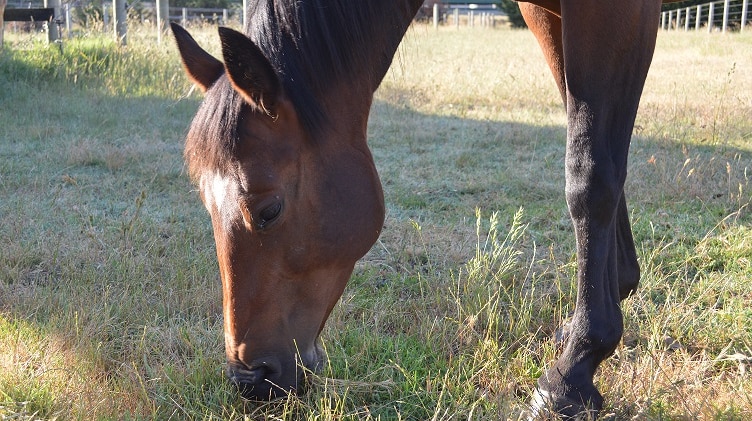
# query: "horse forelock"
213, 137
313, 46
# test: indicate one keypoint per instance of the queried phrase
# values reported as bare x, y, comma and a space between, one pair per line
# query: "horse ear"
249, 71
200, 66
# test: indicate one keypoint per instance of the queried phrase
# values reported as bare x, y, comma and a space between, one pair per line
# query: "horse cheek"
354, 211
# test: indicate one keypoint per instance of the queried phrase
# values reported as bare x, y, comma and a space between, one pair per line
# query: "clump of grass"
498, 308
487, 287
98, 62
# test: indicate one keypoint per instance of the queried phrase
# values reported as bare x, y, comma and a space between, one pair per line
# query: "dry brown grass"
109, 300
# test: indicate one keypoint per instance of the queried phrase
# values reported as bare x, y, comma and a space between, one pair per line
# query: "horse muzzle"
270, 379
263, 382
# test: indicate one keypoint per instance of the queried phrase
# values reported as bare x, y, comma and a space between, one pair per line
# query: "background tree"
512, 9
686, 3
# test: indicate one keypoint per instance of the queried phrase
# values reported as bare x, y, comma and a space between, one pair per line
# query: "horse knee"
593, 194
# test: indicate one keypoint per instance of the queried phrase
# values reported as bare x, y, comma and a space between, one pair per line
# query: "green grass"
110, 304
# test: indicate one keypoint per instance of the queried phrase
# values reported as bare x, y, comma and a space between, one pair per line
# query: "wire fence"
78, 11
723, 16
76, 17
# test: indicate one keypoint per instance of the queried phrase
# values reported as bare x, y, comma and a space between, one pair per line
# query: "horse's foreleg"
607, 49
545, 24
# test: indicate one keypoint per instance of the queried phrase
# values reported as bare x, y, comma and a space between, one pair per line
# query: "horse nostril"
240, 375
252, 384
258, 383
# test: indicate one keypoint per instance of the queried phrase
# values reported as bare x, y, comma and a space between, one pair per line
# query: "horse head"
292, 209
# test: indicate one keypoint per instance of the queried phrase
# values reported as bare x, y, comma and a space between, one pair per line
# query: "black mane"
332, 41
313, 45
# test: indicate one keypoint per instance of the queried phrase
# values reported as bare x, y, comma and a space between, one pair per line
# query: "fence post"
183, 16
663, 20
224, 16
68, 20
120, 21
678, 19
2, 23
698, 17
245, 13
163, 18
436, 15
710, 17
725, 15
52, 32
457, 18
745, 9
687, 14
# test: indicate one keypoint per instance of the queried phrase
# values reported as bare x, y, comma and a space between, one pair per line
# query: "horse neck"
347, 39
347, 107
350, 101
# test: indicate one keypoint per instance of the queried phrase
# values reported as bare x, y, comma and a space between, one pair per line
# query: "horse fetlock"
567, 391
545, 405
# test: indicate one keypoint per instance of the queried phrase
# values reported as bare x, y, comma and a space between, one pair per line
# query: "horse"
278, 149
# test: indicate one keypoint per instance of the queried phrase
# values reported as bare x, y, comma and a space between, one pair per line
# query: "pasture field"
110, 304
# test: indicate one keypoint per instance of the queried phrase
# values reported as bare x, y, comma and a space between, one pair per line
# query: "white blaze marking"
214, 188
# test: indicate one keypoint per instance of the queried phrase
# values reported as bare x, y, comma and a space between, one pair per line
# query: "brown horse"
279, 150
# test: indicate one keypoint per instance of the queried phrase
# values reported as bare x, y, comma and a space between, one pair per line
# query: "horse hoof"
547, 406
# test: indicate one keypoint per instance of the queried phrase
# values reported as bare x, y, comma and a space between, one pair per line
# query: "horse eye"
268, 214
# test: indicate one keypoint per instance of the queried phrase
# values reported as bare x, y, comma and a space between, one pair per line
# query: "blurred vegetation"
512, 9
677, 5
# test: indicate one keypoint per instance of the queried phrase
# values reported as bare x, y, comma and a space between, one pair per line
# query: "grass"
110, 305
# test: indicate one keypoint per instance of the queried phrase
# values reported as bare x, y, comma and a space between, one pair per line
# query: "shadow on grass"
109, 299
